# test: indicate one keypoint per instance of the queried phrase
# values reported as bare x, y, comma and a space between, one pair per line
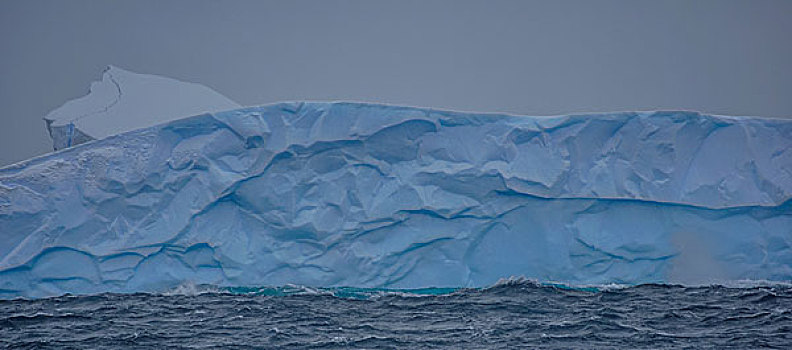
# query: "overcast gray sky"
526, 57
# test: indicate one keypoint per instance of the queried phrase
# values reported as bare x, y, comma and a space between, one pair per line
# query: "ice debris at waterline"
124, 101
366, 195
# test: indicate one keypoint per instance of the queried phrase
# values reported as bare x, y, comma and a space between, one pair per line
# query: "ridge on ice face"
124, 101
366, 195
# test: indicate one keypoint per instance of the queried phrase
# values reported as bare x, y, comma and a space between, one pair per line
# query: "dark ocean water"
515, 314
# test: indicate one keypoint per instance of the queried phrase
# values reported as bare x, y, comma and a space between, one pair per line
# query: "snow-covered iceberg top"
366, 195
124, 101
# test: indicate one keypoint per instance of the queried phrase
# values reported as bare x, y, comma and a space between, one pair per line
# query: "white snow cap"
124, 101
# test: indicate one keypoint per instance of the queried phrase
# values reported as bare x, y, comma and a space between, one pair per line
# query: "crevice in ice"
109, 106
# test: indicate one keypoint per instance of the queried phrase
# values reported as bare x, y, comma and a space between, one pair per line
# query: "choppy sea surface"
508, 315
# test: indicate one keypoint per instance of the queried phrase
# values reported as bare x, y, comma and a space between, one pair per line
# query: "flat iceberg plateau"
124, 101
367, 195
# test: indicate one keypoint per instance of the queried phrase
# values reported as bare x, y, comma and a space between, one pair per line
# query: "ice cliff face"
124, 101
346, 194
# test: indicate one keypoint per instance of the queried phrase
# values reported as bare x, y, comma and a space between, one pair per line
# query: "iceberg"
124, 101
369, 195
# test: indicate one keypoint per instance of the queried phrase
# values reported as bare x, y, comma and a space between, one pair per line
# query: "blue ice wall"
350, 194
